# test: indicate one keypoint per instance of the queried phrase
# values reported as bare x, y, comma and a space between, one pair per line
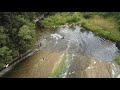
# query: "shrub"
117, 59
62, 18
5, 55
87, 15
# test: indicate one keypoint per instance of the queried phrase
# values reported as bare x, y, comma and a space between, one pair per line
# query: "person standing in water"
43, 58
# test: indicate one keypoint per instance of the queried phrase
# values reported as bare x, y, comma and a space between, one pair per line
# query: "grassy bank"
102, 26
106, 27
62, 18
61, 66
117, 59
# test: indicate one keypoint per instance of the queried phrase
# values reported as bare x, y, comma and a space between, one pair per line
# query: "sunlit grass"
117, 59
106, 27
102, 26
60, 66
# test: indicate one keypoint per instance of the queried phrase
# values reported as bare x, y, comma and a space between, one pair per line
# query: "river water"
65, 51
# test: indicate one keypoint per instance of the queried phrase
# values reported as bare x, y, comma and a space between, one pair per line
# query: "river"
69, 52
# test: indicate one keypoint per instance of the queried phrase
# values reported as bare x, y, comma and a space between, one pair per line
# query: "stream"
69, 52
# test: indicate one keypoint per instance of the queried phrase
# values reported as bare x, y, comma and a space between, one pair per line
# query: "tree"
26, 37
3, 37
17, 34
5, 55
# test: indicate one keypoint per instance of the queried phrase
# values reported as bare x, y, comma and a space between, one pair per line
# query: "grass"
62, 18
106, 27
103, 26
60, 66
117, 59
107, 24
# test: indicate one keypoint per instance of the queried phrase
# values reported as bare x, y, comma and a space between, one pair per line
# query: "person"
7, 65
62, 37
21, 55
40, 45
43, 58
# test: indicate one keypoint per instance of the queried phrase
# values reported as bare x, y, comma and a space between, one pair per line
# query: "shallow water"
80, 45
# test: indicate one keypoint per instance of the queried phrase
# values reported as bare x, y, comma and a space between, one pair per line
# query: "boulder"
39, 24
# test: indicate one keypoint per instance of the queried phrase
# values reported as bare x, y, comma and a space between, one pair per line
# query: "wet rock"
115, 70
92, 69
98, 70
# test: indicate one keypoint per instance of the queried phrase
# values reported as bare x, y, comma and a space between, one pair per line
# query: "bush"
62, 18
5, 55
73, 18
3, 37
117, 59
87, 15
1, 65
27, 36
25, 32
17, 34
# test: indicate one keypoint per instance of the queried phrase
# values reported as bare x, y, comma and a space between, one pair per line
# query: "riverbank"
103, 27
106, 27
16, 61
6, 68
34, 66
